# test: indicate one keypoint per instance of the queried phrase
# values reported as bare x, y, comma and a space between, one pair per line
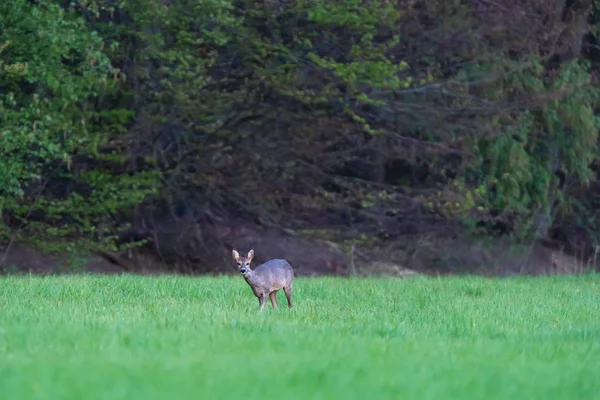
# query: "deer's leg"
288, 294
273, 296
262, 299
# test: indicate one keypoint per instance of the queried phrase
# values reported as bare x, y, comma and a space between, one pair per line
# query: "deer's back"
274, 274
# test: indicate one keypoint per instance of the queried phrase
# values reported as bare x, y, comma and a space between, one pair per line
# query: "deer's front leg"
262, 299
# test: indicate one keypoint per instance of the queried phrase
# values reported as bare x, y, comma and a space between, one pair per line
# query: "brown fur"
266, 279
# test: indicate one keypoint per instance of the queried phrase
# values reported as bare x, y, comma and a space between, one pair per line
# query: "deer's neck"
250, 277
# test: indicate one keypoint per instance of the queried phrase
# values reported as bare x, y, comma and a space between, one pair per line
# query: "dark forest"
348, 136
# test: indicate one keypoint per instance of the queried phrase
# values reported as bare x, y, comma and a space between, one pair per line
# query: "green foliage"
559, 134
53, 67
423, 338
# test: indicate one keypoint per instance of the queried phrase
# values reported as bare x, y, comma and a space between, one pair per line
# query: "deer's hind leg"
288, 294
273, 296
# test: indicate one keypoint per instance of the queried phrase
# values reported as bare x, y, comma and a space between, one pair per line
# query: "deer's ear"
235, 255
251, 254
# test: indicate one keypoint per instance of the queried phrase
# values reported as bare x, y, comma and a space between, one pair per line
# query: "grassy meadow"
132, 337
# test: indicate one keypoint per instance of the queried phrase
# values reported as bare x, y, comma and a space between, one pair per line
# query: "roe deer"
266, 279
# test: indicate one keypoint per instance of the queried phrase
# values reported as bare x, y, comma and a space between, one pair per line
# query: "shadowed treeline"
344, 136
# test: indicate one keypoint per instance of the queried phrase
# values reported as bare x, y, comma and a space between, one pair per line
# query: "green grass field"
127, 337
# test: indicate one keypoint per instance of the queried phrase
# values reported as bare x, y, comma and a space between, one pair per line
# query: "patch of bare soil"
412, 256
24, 259
496, 257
